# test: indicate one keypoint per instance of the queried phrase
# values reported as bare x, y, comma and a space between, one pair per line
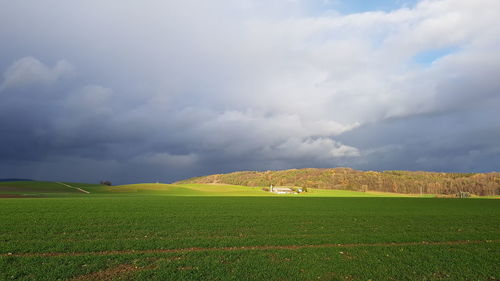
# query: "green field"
172, 232
44, 188
54, 189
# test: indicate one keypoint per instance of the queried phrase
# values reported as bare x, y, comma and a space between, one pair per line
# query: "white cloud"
320, 148
29, 71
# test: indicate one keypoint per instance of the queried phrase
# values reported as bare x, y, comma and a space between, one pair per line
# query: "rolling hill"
229, 190
185, 189
58, 189
44, 188
407, 182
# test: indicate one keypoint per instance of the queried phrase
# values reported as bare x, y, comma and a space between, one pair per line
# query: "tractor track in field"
77, 188
240, 248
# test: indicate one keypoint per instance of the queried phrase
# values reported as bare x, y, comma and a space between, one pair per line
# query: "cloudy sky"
150, 90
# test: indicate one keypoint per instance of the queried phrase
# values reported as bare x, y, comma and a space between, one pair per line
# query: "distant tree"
106, 183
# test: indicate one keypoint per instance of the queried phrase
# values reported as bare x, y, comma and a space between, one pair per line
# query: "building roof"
282, 189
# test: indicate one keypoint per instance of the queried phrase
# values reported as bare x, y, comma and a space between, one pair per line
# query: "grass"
187, 190
363, 263
235, 190
54, 189
44, 188
314, 192
227, 232
89, 225
34, 187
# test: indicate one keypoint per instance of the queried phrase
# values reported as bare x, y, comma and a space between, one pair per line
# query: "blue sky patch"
361, 6
430, 56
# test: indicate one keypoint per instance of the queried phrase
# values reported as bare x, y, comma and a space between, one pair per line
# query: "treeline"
349, 179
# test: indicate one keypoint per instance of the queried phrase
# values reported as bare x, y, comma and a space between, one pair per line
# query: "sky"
146, 91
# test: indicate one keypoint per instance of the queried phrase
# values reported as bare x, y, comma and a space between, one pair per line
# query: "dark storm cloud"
454, 141
152, 91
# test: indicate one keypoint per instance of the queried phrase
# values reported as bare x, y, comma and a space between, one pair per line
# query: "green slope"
186, 190
229, 190
39, 188
56, 189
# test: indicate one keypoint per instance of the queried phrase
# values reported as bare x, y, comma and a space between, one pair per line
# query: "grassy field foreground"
248, 238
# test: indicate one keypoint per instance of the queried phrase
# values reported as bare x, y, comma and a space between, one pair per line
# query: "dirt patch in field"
239, 248
17, 196
122, 270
